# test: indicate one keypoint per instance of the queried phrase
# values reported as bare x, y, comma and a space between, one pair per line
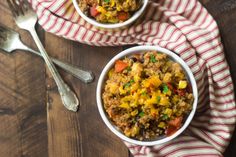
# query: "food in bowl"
147, 95
109, 11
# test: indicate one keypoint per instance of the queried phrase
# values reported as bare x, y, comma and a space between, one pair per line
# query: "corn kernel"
125, 105
110, 73
161, 125
122, 90
164, 100
167, 77
135, 131
134, 113
182, 84
101, 9
168, 112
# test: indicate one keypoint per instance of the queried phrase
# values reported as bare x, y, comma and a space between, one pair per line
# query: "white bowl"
124, 24
101, 83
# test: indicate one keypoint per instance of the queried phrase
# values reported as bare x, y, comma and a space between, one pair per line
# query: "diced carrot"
176, 122
123, 16
93, 11
120, 66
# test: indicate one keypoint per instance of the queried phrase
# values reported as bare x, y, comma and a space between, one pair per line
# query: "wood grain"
33, 121
83, 133
23, 127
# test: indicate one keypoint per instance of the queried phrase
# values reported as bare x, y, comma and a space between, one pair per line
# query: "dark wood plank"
29, 127
83, 133
23, 126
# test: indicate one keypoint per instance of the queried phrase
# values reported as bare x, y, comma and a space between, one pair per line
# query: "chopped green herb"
152, 58
128, 84
128, 69
131, 81
165, 89
165, 117
144, 93
141, 114
106, 1
158, 99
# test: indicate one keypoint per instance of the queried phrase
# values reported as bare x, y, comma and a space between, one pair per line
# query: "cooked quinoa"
109, 11
147, 95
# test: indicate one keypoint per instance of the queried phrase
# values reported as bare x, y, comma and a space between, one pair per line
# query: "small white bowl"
124, 24
103, 77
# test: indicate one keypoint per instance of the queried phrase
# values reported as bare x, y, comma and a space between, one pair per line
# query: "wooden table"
33, 121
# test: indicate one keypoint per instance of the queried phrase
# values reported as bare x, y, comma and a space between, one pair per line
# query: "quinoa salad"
109, 11
147, 95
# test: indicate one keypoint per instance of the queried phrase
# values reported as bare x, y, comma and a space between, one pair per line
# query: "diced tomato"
123, 16
171, 130
176, 122
120, 66
170, 86
174, 125
93, 11
181, 92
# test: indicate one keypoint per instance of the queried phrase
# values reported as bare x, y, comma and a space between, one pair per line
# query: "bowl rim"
111, 26
138, 49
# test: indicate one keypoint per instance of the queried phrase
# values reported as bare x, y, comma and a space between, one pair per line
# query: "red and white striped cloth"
185, 27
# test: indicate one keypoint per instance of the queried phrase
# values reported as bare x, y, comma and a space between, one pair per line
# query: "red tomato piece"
171, 130
170, 86
181, 92
93, 11
176, 122
123, 16
174, 125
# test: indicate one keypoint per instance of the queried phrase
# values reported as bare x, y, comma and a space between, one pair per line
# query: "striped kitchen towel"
185, 27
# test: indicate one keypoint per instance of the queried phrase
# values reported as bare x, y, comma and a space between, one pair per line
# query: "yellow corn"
127, 132
164, 100
182, 84
134, 113
110, 73
125, 105
126, 98
168, 112
101, 9
134, 131
136, 78
161, 125
167, 77
112, 3
122, 90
